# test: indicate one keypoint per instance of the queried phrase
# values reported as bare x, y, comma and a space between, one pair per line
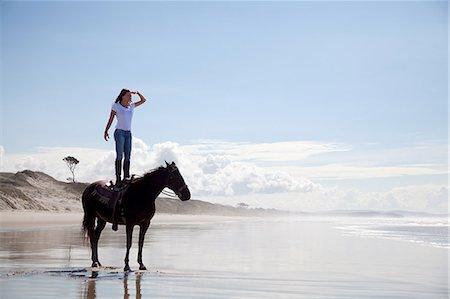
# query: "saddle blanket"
109, 195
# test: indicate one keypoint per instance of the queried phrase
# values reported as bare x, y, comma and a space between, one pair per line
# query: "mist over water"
251, 258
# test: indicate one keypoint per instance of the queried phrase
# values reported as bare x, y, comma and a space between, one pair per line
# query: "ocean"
427, 231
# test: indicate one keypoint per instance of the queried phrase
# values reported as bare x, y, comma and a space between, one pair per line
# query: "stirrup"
115, 227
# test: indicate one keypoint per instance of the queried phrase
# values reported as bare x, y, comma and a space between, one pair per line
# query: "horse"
138, 207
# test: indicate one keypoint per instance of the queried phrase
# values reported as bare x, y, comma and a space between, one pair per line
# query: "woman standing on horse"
123, 109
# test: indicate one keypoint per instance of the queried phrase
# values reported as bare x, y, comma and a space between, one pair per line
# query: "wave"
432, 232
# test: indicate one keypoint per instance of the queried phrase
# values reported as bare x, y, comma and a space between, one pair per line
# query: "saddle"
107, 193
112, 196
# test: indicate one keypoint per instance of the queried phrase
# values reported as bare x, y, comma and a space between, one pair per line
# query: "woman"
123, 109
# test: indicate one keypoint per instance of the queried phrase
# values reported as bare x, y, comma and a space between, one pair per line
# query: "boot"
126, 170
118, 171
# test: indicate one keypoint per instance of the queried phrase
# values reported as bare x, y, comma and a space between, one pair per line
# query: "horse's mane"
150, 172
147, 174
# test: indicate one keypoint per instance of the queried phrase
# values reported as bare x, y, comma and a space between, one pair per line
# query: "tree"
71, 163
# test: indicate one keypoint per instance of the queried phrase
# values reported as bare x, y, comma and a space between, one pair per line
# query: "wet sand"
38, 219
216, 257
35, 219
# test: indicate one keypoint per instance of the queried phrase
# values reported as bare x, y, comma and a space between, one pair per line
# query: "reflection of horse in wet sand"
89, 290
137, 207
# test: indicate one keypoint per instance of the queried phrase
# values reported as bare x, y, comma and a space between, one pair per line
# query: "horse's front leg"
129, 229
142, 231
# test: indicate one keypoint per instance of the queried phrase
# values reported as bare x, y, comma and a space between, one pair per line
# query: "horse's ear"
173, 163
167, 164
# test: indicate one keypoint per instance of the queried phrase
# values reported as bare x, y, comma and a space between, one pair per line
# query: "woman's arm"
142, 101
111, 117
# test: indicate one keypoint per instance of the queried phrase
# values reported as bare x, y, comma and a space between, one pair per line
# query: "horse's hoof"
126, 269
95, 264
142, 267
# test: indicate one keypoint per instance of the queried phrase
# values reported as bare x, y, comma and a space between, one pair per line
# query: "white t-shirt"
124, 116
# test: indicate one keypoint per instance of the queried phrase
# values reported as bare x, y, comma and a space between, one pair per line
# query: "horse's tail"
89, 212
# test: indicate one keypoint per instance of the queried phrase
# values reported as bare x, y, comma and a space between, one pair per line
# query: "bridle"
177, 191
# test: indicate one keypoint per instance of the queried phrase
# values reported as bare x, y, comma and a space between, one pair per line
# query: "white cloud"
168, 151
331, 161
222, 176
421, 198
213, 163
372, 161
263, 175
264, 152
348, 171
219, 175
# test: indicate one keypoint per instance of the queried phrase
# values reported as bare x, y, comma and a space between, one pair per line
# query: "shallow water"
430, 231
235, 259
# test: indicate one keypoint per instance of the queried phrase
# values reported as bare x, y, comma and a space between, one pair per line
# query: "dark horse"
138, 206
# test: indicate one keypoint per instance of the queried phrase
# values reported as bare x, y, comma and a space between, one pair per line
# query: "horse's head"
175, 182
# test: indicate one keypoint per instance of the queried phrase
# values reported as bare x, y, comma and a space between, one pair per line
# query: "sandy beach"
36, 219
190, 256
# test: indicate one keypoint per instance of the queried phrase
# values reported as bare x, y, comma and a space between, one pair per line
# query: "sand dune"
29, 190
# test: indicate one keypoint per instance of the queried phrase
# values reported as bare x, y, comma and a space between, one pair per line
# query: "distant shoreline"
29, 219
42, 219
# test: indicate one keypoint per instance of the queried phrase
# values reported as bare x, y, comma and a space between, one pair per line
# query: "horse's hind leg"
92, 240
98, 230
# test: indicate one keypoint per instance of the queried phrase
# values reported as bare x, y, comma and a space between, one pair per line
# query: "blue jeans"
123, 144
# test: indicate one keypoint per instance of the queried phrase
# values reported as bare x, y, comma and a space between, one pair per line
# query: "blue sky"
369, 76
266, 71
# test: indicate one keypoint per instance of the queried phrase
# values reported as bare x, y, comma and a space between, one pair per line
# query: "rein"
171, 195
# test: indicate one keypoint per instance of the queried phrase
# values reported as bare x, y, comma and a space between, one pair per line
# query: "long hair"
121, 94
